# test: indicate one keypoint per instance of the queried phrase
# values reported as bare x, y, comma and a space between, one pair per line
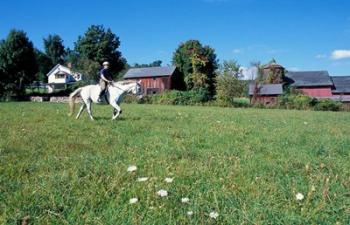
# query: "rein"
119, 87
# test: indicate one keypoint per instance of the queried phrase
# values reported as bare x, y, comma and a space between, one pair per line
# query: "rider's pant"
103, 85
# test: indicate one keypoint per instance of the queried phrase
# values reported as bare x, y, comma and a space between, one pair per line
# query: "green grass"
246, 164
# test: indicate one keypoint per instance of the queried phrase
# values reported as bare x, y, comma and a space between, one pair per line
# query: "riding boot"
99, 100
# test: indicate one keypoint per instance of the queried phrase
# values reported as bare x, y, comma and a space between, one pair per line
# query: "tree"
258, 80
96, 46
18, 64
197, 64
54, 49
232, 68
44, 65
228, 85
156, 63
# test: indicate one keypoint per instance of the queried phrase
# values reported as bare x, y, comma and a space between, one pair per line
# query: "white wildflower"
305, 123
299, 196
142, 179
189, 213
133, 200
185, 200
132, 168
213, 215
169, 180
162, 193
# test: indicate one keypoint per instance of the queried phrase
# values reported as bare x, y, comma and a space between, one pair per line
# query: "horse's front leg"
116, 111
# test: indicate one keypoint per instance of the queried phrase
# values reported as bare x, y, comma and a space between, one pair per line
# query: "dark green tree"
18, 64
44, 65
97, 45
197, 64
156, 63
54, 49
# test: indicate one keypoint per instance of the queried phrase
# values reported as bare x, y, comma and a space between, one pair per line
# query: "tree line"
21, 63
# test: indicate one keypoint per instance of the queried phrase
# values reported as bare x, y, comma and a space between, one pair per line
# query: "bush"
304, 102
174, 98
328, 105
295, 101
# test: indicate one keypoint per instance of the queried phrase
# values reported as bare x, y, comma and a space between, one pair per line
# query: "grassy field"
245, 164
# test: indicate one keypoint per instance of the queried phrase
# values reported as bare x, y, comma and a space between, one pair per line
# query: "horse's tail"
72, 98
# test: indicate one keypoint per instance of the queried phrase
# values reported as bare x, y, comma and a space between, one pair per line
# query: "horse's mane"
125, 82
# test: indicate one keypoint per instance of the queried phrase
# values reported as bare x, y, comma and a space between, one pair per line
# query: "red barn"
311, 83
154, 79
341, 86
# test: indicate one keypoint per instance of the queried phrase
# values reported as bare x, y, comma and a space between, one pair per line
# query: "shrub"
174, 98
328, 105
304, 102
295, 101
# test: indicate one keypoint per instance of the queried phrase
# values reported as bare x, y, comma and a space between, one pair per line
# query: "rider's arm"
103, 78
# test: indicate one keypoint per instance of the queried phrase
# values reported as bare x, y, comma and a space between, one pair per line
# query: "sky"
299, 34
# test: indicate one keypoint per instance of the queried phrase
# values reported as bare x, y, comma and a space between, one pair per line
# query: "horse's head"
136, 89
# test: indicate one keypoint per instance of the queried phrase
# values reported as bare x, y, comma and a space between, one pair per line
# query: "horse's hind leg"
88, 106
81, 110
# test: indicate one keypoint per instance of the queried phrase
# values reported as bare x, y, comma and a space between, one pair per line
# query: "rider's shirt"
106, 74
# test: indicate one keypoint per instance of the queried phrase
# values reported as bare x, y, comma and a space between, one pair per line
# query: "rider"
105, 79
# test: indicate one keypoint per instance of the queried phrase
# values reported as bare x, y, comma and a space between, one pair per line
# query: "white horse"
115, 94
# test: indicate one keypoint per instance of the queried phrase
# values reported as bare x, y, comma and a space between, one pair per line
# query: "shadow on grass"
127, 118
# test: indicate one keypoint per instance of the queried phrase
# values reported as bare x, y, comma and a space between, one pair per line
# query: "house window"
60, 76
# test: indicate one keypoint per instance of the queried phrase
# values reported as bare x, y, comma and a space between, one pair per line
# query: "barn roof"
309, 78
267, 89
150, 72
341, 84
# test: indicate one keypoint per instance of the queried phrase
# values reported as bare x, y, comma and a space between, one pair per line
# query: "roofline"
341, 76
340, 92
272, 95
150, 67
55, 67
313, 85
307, 71
132, 77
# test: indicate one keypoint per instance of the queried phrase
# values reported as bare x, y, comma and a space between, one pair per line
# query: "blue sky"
300, 34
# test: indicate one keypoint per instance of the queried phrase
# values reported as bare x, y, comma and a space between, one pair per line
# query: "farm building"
317, 84
341, 86
60, 76
266, 94
311, 83
155, 79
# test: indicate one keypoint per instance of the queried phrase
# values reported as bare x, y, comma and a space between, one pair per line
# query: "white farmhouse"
60, 76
